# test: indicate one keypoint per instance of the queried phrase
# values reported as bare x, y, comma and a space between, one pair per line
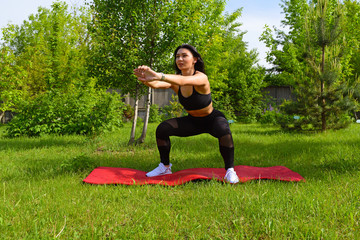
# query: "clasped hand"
146, 74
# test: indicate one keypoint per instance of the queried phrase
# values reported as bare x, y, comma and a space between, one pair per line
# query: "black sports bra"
195, 101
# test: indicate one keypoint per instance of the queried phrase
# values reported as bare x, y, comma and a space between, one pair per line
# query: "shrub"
81, 112
128, 112
154, 114
174, 109
225, 107
309, 118
269, 117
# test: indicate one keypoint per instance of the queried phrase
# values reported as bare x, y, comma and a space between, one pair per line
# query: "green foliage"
235, 79
286, 45
245, 90
46, 64
120, 28
173, 110
154, 114
128, 112
51, 47
128, 35
244, 79
315, 57
76, 113
270, 117
225, 107
337, 119
12, 82
352, 31
276, 79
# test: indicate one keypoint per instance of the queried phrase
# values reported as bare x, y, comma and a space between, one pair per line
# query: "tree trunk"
146, 120
323, 102
1, 117
148, 99
133, 128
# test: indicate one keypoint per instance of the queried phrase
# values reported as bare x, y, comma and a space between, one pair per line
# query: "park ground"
42, 195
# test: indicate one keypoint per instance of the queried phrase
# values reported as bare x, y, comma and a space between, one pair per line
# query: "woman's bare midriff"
201, 112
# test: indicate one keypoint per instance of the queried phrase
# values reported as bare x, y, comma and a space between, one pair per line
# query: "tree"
146, 32
235, 79
285, 44
45, 65
315, 55
352, 31
244, 79
51, 47
127, 34
324, 30
11, 82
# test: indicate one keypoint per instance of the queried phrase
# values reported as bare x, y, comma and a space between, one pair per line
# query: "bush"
269, 117
128, 112
81, 112
154, 114
225, 107
175, 109
308, 117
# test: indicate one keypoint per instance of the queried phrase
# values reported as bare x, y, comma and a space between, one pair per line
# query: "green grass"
42, 195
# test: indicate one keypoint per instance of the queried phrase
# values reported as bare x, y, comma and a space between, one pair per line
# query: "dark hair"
199, 65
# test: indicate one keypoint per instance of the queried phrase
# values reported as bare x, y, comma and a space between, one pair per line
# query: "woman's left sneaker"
231, 176
160, 170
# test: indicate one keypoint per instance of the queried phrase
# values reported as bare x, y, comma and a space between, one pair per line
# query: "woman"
193, 89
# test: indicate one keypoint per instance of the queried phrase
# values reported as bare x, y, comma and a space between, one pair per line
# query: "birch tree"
126, 34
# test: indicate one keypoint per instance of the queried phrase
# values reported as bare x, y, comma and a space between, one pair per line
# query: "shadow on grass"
259, 133
270, 130
49, 168
18, 144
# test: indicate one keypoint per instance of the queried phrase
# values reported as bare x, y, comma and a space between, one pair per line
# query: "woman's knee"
226, 141
221, 127
163, 131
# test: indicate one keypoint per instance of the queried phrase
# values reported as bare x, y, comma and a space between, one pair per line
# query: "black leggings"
214, 124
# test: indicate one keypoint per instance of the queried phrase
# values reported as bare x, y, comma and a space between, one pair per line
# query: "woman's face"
184, 59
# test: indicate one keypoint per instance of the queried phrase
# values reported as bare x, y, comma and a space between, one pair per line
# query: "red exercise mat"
127, 176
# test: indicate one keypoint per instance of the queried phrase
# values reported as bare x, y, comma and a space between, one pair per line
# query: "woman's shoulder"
200, 73
203, 76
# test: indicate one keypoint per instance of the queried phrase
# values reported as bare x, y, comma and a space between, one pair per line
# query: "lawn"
42, 195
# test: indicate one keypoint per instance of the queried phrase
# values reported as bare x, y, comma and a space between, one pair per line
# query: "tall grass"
42, 195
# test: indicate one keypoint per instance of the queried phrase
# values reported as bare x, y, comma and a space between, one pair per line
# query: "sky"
255, 14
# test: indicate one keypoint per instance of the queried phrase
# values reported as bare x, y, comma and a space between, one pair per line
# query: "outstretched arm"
150, 78
146, 74
157, 84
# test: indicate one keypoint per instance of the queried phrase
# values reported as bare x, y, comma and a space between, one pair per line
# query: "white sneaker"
231, 176
160, 170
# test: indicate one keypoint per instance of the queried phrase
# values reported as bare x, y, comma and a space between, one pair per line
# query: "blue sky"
255, 14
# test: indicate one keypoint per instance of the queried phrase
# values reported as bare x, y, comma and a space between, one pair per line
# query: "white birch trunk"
133, 128
146, 120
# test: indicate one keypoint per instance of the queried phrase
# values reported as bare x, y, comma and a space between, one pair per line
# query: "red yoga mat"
127, 176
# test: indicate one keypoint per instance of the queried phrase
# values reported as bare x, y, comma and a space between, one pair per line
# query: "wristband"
162, 76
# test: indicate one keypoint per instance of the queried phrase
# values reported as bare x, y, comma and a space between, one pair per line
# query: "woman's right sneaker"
160, 170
